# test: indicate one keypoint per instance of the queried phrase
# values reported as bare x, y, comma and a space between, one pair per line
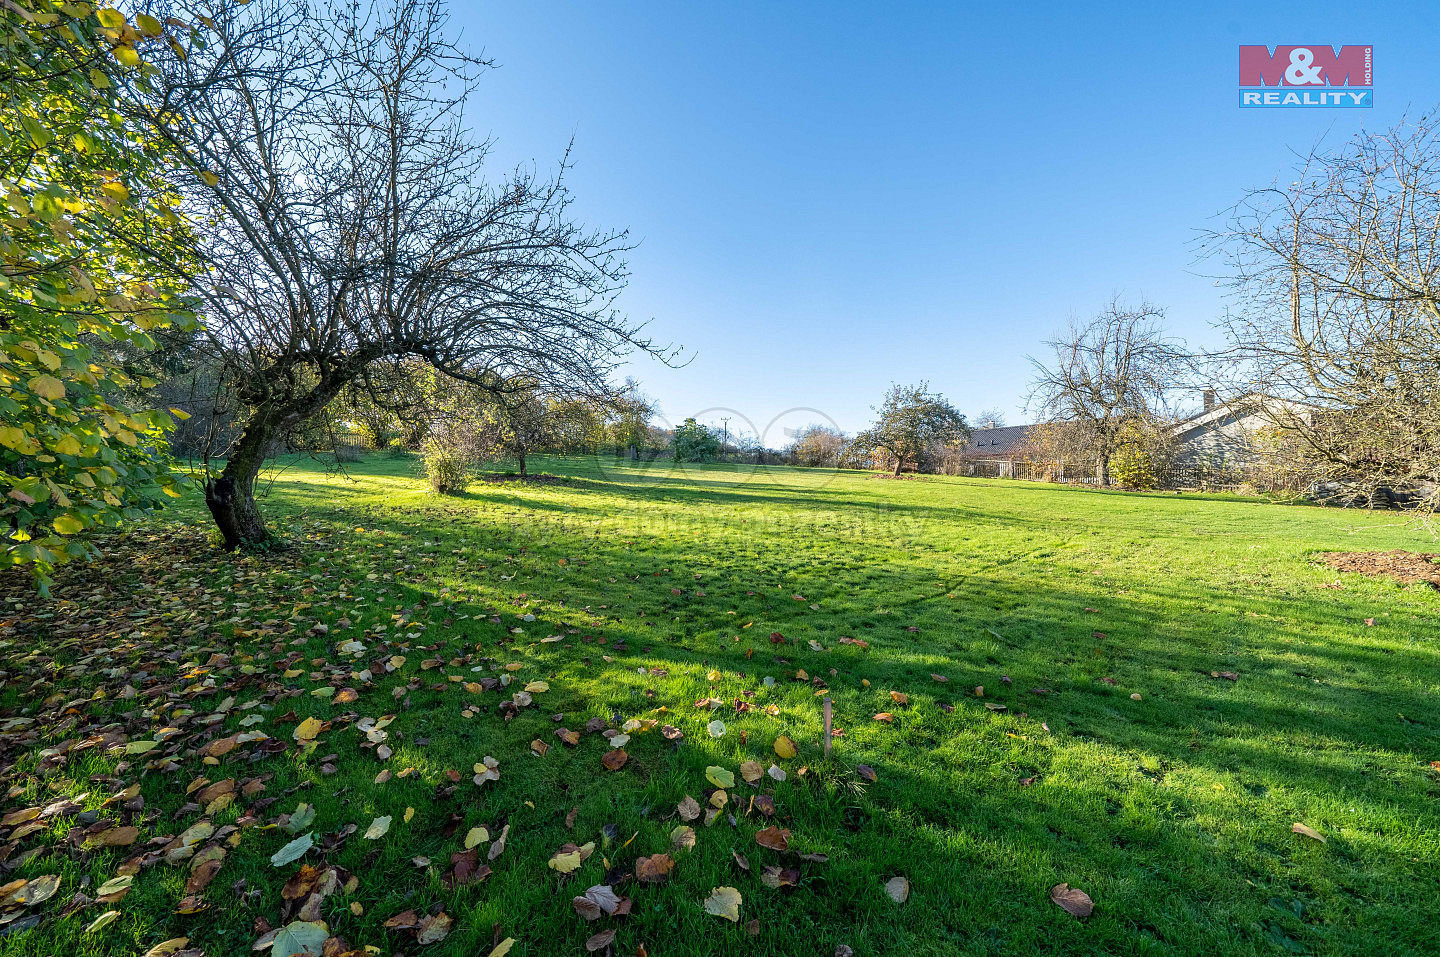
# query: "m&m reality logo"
1316, 75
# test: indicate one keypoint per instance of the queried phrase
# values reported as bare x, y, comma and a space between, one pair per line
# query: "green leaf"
293, 851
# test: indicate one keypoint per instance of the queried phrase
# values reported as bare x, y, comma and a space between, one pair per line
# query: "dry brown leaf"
1309, 832
654, 869
775, 838
1072, 901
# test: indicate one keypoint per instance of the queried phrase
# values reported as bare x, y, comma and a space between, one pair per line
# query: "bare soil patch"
1407, 567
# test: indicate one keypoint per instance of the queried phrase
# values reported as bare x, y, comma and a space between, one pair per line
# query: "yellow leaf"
47, 386
502, 948
308, 728
115, 191
68, 445
567, 862
110, 19
724, 902
149, 25
15, 438
210, 178
67, 524
127, 56
477, 835
785, 747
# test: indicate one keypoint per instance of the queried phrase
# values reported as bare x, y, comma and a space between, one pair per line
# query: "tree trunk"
899, 464
231, 497
1104, 470
520, 454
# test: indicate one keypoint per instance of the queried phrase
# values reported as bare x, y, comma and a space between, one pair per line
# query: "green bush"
448, 465
694, 443
1132, 466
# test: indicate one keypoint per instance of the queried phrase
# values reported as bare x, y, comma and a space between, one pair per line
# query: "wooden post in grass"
827, 726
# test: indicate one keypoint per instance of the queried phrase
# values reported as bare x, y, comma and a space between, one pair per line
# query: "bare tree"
1337, 280
817, 446
1117, 368
345, 222
989, 419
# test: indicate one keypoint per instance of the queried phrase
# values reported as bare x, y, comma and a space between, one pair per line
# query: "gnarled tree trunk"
231, 496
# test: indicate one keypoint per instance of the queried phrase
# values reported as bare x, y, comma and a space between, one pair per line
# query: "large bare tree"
346, 222
1337, 280
1116, 369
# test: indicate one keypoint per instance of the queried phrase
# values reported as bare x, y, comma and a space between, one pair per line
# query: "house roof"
997, 443
1247, 404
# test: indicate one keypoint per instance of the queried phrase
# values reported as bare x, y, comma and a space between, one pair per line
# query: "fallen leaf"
724, 902
378, 828
614, 760
688, 809
292, 851
654, 869
40, 889
683, 836
434, 929
898, 889
1309, 832
600, 941
865, 771
300, 937
1077, 903
784, 747
720, 777
502, 948
775, 838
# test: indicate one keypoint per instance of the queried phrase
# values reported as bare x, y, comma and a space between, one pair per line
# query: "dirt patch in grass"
1407, 567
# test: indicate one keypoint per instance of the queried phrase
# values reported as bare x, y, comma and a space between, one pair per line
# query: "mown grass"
1173, 811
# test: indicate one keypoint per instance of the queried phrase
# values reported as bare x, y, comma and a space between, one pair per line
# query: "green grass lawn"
1118, 764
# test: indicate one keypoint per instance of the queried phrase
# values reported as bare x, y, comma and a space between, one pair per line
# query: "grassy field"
1103, 751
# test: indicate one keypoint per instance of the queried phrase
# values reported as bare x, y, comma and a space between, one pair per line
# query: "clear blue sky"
832, 196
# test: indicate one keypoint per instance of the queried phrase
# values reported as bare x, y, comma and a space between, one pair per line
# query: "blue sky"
833, 196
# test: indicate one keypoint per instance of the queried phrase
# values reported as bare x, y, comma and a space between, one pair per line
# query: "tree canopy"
347, 221
912, 421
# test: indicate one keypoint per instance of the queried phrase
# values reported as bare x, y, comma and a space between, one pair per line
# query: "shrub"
448, 464
693, 442
395, 449
1132, 466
